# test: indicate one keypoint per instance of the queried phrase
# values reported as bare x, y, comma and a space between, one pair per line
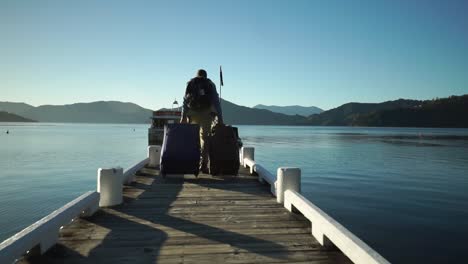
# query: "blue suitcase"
180, 152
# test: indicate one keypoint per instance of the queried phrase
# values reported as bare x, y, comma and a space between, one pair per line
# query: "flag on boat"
221, 76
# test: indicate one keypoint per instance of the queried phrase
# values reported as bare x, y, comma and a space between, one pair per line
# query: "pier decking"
188, 220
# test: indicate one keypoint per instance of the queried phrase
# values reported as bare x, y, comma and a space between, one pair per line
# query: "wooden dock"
188, 220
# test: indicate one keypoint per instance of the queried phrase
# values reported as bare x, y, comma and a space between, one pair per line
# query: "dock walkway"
188, 220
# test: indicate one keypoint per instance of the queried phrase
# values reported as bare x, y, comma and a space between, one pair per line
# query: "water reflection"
381, 183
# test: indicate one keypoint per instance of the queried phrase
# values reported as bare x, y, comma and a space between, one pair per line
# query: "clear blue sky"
322, 53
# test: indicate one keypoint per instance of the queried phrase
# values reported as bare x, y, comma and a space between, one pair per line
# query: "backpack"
199, 94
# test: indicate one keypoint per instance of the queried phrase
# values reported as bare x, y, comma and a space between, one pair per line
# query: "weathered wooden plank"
182, 202
147, 256
288, 240
201, 198
202, 210
215, 224
208, 233
190, 227
156, 195
202, 218
271, 257
185, 249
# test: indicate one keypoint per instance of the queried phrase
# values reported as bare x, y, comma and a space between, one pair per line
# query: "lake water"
404, 191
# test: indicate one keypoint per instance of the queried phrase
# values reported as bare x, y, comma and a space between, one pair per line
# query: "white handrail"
45, 231
326, 229
129, 174
265, 174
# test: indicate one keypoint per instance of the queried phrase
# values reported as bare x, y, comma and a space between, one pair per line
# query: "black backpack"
199, 94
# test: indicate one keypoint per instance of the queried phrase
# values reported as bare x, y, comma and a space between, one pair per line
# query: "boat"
161, 118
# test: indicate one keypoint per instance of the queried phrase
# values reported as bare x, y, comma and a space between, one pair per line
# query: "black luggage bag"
180, 152
224, 150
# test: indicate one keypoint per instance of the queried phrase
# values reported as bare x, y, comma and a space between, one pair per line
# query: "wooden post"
109, 185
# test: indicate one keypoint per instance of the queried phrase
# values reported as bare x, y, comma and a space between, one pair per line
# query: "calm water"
403, 191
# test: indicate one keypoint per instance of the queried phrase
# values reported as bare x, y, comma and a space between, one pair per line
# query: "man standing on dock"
201, 105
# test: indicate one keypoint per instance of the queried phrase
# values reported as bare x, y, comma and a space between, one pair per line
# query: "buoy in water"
8, 131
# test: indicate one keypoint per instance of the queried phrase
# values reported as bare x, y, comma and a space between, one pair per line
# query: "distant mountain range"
9, 117
446, 112
118, 112
291, 109
346, 114
242, 115
95, 112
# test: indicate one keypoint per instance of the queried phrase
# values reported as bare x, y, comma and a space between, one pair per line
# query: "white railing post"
320, 236
154, 155
249, 153
287, 179
109, 185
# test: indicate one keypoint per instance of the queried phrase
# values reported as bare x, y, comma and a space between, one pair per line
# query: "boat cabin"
159, 119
